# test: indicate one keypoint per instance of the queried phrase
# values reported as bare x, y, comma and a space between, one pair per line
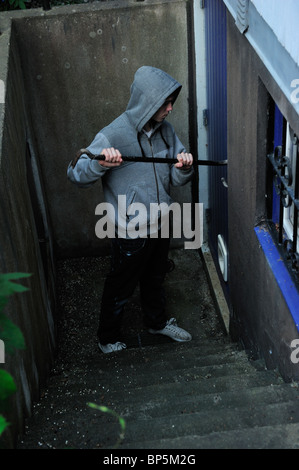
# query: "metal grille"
283, 173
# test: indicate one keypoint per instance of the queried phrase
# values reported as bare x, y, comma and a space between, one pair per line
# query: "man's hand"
112, 158
185, 161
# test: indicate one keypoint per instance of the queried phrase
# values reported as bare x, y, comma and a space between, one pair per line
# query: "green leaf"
7, 385
11, 335
14, 276
3, 424
104, 409
7, 287
122, 423
113, 413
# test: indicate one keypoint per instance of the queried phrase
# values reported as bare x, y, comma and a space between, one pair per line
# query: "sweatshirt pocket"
130, 198
138, 211
137, 194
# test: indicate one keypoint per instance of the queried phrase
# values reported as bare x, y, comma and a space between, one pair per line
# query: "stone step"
203, 379
204, 423
161, 349
214, 425
159, 406
280, 436
109, 388
173, 359
200, 380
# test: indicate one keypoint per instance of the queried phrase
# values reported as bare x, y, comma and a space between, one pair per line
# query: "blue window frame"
279, 243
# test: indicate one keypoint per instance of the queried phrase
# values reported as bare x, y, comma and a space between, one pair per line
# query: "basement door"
215, 30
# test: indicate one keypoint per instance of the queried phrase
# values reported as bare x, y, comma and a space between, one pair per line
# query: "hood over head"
149, 90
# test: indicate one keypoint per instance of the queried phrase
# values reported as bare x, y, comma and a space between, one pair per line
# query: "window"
282, 189
289, 222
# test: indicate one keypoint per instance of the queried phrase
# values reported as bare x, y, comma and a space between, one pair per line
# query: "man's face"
165, 109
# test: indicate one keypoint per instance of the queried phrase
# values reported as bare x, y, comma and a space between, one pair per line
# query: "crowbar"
146, 159
163, 160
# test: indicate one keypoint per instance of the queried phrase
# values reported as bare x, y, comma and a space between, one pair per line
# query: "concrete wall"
260, 315
32, 311
79, 64
67, 73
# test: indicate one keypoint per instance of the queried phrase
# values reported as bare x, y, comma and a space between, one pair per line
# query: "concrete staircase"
205, 394
196, 396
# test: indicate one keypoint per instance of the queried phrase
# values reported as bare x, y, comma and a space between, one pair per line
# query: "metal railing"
284, 180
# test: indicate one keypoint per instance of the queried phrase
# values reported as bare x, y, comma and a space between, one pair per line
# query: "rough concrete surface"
62, 419
78, 64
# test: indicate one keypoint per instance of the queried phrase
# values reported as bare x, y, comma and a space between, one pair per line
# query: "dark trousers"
143, 261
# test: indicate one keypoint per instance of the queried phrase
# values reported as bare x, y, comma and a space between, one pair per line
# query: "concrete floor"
61, 416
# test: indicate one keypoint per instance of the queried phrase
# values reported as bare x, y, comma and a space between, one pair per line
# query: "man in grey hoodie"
141, 129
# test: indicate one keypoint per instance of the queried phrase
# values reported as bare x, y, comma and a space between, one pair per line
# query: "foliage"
121, 421
7, 5
13, 339
10, 334
3, 424
13, 4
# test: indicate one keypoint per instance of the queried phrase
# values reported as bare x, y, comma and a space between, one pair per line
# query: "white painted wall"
283, 18
273, 32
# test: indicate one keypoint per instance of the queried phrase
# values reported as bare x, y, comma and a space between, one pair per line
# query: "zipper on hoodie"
155, 173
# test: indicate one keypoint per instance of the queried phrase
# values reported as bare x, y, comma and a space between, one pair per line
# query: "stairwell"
205, 394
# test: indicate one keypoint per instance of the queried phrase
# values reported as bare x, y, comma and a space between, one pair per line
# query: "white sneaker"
109, 348
173, 331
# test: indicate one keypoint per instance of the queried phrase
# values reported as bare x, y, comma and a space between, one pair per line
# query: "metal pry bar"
145, 159
163, 160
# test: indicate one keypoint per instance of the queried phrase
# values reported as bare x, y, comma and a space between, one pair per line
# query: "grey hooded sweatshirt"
145, 183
